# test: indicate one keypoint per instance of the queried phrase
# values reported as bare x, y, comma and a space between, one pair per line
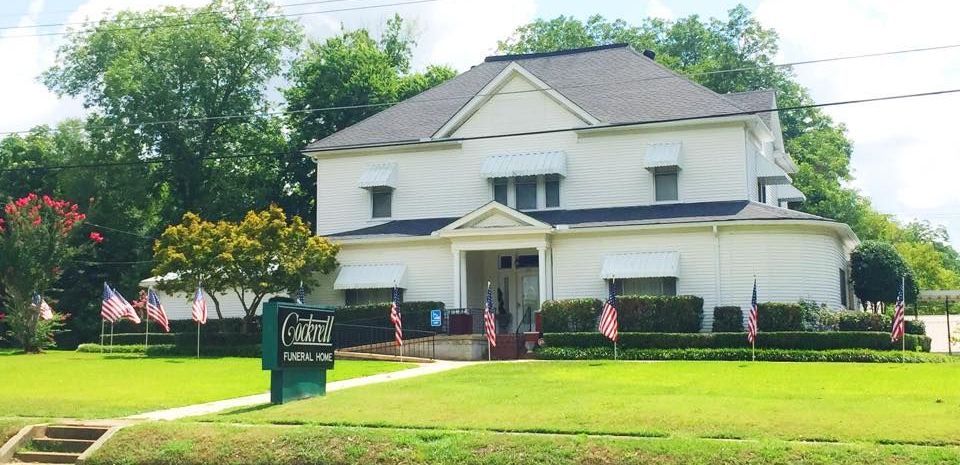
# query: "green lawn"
881, 403
212, 444
79, 385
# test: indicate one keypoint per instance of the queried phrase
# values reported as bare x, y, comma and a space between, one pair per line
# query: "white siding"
790, 264
603, 171
577, 259
519, 107
180, 306
429, 270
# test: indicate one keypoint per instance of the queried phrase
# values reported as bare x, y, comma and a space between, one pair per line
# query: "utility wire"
121, 231
671, 75
259, 18
498, 136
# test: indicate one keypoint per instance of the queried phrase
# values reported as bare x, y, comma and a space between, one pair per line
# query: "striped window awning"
788, 193
769, 172
379, 175
371, 277
525, 164
641, 265
662, 155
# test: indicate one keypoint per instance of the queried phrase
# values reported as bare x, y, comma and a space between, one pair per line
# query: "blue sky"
904, 159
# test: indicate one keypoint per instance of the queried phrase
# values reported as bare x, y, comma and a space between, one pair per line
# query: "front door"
528, 281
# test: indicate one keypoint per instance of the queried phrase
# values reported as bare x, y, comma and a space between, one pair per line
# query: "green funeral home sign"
297, 349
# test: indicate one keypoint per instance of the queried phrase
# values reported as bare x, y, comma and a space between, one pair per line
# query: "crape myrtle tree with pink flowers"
38, 235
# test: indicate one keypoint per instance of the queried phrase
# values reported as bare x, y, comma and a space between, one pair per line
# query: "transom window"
646, 286
528, 192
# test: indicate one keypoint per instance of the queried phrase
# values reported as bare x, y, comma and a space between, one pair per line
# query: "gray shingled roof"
735, 210
613, 83
758, 100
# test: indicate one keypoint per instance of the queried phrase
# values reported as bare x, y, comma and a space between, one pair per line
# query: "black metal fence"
352, 337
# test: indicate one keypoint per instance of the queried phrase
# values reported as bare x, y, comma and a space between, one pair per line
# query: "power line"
498, 136
105, 18
121, 231
260, 18
671, 75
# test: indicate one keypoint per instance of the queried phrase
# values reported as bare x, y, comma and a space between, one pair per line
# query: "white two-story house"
549, 174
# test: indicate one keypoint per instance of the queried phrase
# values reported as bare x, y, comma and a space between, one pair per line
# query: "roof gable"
494, 217
516, 85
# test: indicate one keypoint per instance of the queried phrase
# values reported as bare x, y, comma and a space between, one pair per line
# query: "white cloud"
904, 154
657, 9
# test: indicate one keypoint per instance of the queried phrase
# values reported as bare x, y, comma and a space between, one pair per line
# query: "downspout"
716, 267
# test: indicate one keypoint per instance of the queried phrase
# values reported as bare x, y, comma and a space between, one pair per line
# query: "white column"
456, 277
542, 269
463, 279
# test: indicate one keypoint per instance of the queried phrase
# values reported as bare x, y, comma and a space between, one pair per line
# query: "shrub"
817, 317
660, 314
727, 319
863, 321
775, 316
742, 354
170, 350
777, 340
570, 315
914, 327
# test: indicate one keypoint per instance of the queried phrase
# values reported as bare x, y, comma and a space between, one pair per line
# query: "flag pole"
111, 337
103, 324
198, 339
753, 349
146, 316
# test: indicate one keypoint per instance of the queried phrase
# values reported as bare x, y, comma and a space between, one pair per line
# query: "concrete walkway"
258, 399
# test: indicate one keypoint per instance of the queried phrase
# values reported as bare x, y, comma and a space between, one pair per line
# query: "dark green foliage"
415, 314
868, 321
877, 271
775, 316
727, 319
171, 350
744, 354
776, 340
660, 314
570, 315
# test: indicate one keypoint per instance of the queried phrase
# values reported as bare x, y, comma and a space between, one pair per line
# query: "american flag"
301, 294
128, 311
155, 310
199, 307
112, 307
46, 313
489, 322
608, 317
752, 319
898, 315
395, 317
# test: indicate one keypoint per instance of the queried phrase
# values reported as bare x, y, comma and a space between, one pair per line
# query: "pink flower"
96, 237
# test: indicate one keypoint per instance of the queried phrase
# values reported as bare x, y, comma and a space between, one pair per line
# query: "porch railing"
352, 337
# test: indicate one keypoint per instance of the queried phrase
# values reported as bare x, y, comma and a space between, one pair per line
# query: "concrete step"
60, 445
89, 433
46, 457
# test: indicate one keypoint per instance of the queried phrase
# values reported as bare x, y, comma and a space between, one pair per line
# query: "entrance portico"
507, 249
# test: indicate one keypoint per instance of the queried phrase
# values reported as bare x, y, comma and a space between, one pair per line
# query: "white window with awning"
769, 173
525, 164
642, 273
662, 155
380, 175
374, 276
789, 193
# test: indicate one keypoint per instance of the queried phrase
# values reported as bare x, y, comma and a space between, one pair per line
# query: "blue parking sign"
436, 318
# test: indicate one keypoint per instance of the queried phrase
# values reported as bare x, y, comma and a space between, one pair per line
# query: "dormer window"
526, 181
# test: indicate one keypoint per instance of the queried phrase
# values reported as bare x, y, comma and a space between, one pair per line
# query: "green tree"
163, 84
264, 253
877, 270
350, 69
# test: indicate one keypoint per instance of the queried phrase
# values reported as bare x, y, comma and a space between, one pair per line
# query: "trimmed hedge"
868, 321
170, 350
214, 324
727, 319
416, 314
775, 316
661, 314
799, 340
570, 315
743, 354
188, 339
